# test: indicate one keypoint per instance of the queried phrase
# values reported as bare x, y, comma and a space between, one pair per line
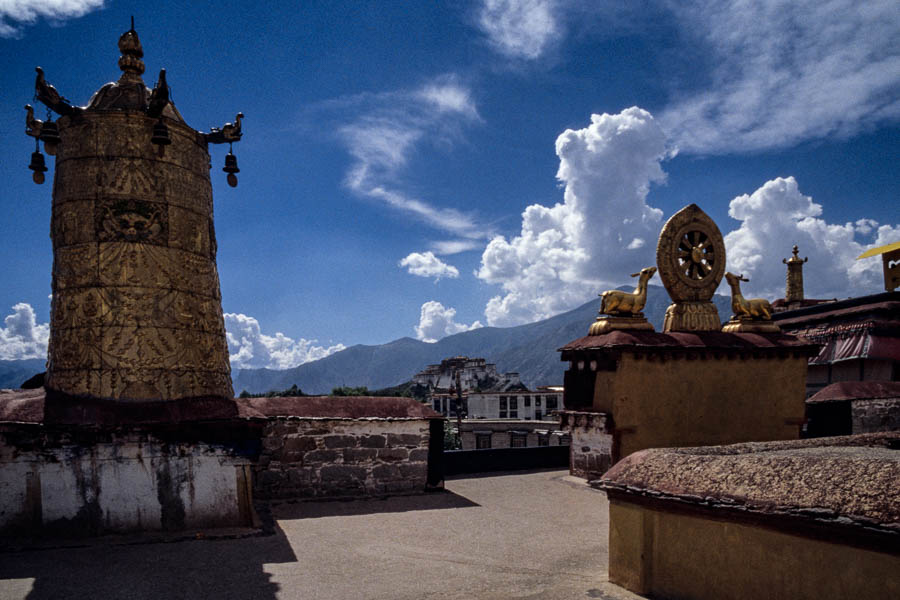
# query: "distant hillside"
13, 373
530, 349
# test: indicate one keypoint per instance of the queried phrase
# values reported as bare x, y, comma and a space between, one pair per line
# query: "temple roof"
856, 390
849, 481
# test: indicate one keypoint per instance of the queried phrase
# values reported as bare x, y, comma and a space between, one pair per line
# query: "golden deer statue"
754, 308
617, 302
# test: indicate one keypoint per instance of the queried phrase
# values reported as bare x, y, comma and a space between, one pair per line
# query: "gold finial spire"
130, 46
794, 289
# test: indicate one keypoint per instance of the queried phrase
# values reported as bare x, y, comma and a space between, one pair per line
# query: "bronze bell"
50, 137
37, 165
160, 134
231, 168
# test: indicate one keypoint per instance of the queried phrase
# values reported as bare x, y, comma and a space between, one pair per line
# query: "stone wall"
875, 415
305, 458
592, 441
85, 483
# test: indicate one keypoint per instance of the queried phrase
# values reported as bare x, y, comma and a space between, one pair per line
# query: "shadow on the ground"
335, 508
201, 568
502, 473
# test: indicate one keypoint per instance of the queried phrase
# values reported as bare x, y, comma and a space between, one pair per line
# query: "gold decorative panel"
136, 311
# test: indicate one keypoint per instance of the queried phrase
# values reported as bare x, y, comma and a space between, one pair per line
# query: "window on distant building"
537, 415
513, 414
502, 414
502, 402
526, 401
482, 441
551, 401
513, 402
537, 400
518, 440
437, 405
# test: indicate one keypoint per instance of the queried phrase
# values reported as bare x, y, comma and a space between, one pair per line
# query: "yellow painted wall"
679, 556
702, 401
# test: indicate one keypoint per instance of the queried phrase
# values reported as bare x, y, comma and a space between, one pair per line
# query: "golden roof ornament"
130, 46
136, 313
690, 255
623, 310
752, 315
890, 256
793, 291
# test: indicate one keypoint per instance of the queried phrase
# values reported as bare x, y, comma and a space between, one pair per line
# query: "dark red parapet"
698, 340
22, 406
336, 407
36, 406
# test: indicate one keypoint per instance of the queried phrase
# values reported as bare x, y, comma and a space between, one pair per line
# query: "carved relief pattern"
136, 311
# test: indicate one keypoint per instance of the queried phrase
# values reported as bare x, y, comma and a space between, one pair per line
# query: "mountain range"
13, 373
530, 350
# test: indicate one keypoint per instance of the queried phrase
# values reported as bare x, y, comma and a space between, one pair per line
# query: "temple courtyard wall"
71, 470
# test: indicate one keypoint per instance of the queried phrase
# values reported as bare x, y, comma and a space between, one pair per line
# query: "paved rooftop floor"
532, 535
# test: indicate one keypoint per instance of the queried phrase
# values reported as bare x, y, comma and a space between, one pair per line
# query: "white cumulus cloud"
777, 216
784, 71
16, 13
520, 28
22, 337
426, 264
436, 321
603, 229
249, 348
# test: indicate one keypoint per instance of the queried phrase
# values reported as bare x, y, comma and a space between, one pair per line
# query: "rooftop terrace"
532, 535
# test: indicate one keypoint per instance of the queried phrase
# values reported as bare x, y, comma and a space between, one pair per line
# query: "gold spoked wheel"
696, 255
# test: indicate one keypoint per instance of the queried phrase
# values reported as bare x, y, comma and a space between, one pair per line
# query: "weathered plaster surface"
592, 443
131, 482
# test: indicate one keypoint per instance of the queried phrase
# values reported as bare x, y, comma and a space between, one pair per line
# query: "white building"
474, 374
521, 405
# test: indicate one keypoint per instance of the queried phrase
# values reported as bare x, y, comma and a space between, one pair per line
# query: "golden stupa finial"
795, 258
794, 289
130, 46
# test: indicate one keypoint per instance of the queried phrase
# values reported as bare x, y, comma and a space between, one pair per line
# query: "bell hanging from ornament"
231, 168
160, 134
38, 166
50, 137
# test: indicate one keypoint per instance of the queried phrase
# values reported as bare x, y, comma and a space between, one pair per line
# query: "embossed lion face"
132, 224
135, 227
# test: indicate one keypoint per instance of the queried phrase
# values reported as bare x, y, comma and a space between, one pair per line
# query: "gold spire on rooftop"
130, 46
794, 288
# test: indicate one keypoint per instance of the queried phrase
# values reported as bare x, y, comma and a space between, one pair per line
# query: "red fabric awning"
858, 345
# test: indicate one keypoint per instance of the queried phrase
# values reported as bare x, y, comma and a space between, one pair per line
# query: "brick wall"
874, 415
304, 458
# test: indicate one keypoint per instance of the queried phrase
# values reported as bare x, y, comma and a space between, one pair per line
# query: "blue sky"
416, 169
